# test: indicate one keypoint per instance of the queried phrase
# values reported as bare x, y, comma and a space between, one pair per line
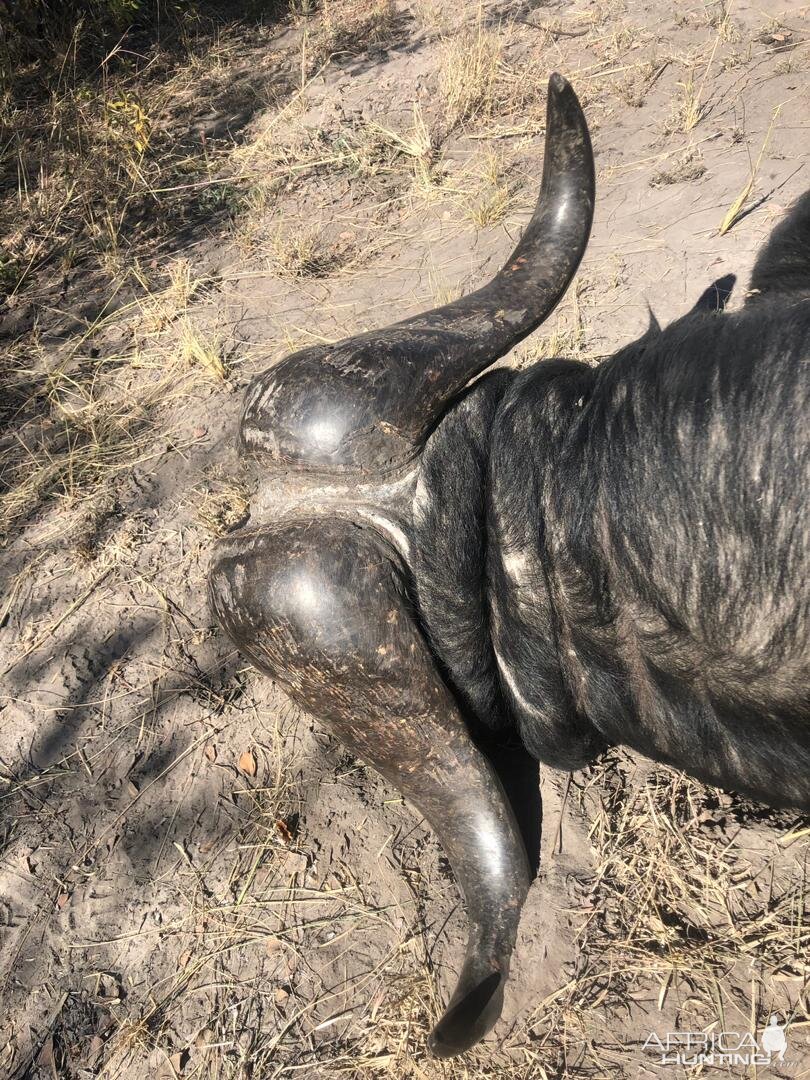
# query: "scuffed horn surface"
321, 607
367, 403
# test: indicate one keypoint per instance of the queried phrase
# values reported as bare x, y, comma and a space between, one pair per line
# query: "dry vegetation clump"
307, 253
99, 151
470, 72
350, 28
677, 911
688, 108
201, 350
377, 157
489, 204
160, 307
687, 167
418, 147
483, 78
223, 505
77, 424
718, 16
95, 429
633, 85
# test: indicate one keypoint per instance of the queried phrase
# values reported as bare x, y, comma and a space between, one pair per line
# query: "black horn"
320, 592
367, 403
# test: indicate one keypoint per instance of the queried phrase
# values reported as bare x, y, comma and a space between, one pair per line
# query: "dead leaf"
62, 899
210, 752
284, 830
247, 763
183, 959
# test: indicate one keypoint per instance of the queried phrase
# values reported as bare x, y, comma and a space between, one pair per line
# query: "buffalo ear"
716, 296
653, 325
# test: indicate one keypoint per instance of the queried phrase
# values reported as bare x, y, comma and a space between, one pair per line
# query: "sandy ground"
196, 880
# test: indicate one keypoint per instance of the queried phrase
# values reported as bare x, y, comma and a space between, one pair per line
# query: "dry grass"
162, 307
223, 505
200, 350
676, 912
418, 145
101, 157
470, 71
349, 28
89, 435
489, 204
688, 109
306, 253
719, 18
737, 208
686, 168
431, 14
694, 909
481, 81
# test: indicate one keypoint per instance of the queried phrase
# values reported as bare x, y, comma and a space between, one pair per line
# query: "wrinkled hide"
637, 545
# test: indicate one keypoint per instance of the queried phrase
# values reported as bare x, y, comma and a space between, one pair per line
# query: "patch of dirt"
195, 880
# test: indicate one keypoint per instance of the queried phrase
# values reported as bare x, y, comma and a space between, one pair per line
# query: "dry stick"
558, 832
735, 210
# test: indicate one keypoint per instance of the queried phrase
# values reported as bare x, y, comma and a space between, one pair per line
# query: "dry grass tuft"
441, 292
491, 207
418, 146
161, 308
307, 253
470, 69
349, 28
685, 169
688, 109
95, 431
199, 350
478, 83
718, 16
490, 204
224, 506
430, 14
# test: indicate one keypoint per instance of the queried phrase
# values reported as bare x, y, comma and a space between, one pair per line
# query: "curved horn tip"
564, 108
467, 1021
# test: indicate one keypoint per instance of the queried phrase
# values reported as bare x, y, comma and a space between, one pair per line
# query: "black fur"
621, 554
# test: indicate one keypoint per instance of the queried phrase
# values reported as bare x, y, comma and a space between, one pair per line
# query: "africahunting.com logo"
720, 1047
